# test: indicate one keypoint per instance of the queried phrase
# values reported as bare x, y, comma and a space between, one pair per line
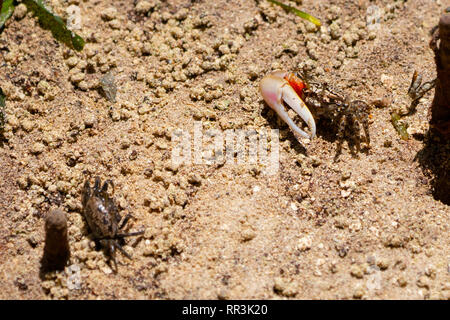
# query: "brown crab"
300, 95
103, 218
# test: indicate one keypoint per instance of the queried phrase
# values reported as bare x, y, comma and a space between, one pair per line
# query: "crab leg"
275, 89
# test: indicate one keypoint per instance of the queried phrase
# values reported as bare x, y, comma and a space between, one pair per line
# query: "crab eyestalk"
281, 86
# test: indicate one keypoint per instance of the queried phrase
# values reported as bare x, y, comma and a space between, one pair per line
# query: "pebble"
20, 11
311, 50
77, 77
195, 179
382, 102
430, 271
372, 35
383, 263
248, 234
387, 80
115, 24
106, 270
22, 182
401, 281
350, 38
394, 241
310, 27
223, 295
351, 52
285, 287
345, 193
304, 243
37, 148
109, 13
144, 6
90, 120
72, 62
27, 125
423, 282
43, 87
335, 12
357, 271
335, 30
359, 293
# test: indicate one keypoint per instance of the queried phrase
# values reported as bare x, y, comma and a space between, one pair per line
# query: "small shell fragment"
109, 86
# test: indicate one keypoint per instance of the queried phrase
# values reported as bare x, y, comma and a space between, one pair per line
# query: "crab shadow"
434, 159
326, 130
49, 265
272, 119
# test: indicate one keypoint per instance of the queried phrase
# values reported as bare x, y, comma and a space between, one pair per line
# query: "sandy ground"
366, 227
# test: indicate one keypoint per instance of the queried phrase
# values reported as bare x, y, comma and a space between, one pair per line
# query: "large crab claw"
280, 86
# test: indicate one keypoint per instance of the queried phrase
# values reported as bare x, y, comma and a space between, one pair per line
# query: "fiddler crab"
281, 88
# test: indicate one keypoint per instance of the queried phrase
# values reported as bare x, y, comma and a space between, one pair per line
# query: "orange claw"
296, 83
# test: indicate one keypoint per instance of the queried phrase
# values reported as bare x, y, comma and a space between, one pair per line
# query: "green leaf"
2, 110
7, 8
2, 99
297, 12
55, 24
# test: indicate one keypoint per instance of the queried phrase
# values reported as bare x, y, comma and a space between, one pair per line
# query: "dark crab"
348, 116
311, 100
103, 218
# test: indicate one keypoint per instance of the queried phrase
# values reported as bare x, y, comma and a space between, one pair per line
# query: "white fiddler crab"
312, 101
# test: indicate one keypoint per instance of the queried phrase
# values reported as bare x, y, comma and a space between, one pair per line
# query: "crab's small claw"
276, 88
